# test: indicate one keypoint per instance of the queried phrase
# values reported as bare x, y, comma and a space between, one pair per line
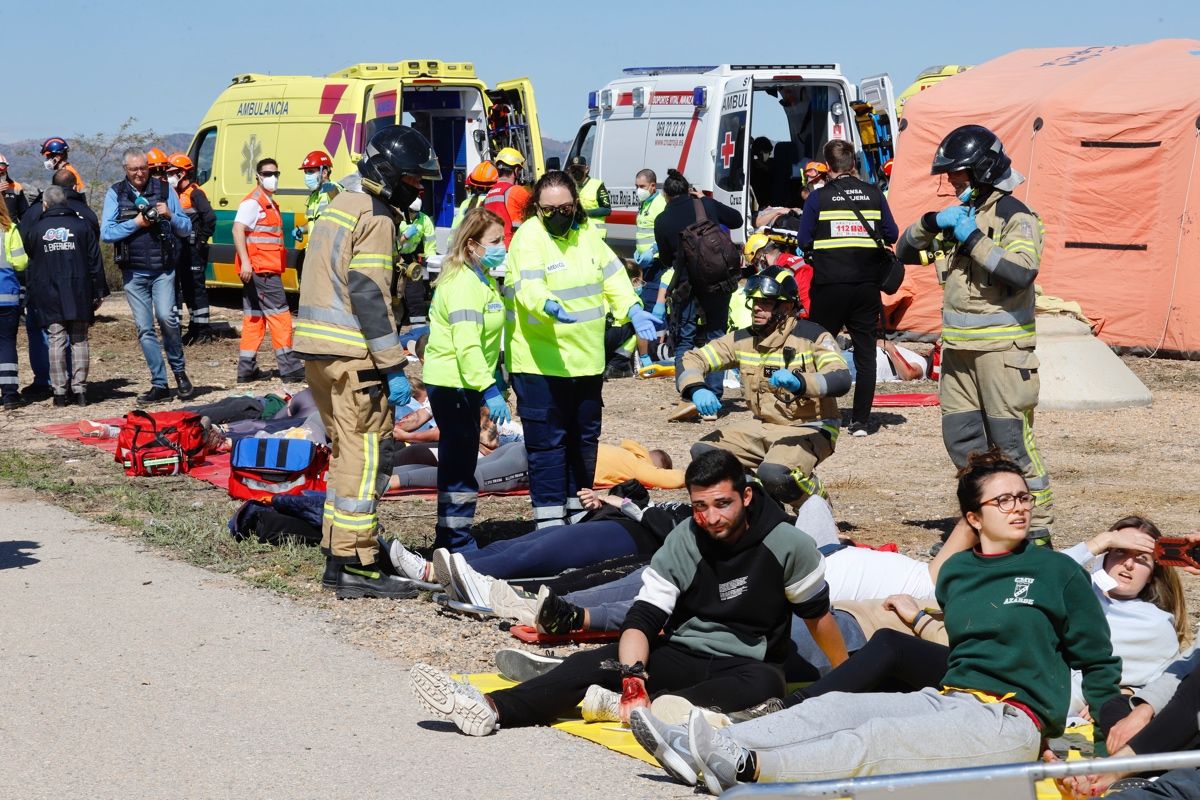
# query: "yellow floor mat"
615, 737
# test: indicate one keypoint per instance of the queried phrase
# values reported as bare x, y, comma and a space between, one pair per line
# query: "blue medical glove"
707, 403
642, 258
643, 323
497, 408
501, 384
660, 311
965, 226
298, 232
645, 360
399, 392
553, 309
784, 379
410, 232
949, 216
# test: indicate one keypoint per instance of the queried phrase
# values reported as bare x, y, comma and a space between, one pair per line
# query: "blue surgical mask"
312, 179
493, 256
966, 195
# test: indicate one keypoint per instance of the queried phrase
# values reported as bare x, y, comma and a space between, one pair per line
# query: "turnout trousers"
456, 412
988, 398
783, 456
561, 417
352, 398
264, 306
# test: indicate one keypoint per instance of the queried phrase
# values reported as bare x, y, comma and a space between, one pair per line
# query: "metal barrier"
1008, 782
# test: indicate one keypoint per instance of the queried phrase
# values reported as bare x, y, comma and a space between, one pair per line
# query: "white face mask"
415, 205
643, 194
173, 180
271, 183
48, 163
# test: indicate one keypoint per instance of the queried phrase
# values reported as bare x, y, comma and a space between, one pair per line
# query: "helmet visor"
766, 286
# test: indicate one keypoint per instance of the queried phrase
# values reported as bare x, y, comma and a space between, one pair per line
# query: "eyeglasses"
565, 208
1007, 502
274, 174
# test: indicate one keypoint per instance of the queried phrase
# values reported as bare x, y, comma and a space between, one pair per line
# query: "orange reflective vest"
264, 242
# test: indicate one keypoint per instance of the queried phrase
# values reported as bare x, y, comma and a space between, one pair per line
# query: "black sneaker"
294, 377
12, 402
617, 371
858, 430
155, 394
186, 389
61, 400
37, 391
253, 377
555, 615
769, 706
354, 582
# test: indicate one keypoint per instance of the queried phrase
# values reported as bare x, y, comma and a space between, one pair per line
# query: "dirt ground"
893, 486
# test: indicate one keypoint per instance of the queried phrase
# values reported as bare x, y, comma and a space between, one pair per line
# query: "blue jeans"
39, 348
561, 417
151, 295
457, 414
549, 551
704, 318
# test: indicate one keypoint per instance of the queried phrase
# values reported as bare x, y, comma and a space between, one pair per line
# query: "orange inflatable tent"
1108, 140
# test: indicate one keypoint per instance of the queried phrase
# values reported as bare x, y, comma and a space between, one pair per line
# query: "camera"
148, 211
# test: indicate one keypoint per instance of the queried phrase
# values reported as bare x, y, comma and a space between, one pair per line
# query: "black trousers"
727, 683
857, 308
890, 661
1175, 727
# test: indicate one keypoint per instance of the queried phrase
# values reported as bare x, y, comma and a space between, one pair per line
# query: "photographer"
143, 220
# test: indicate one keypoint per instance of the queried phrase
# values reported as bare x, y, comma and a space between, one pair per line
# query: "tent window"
1121, 145
1104, 246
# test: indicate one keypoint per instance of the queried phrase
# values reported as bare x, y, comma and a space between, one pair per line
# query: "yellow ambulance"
931, 76
286, 116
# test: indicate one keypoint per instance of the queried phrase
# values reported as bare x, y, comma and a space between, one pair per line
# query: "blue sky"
168, 79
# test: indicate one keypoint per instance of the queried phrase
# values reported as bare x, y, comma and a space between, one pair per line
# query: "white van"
702, 120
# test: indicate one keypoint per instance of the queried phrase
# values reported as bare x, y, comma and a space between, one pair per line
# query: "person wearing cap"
193, 251
13, 192
593, 194
791, 373
416, 243
317, 167
508, 197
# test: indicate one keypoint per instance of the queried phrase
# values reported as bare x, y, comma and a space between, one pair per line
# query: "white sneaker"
442, 573
522, 665
411, 565
461, 703
505, 601
667, 743
601, 705
471, 586
671, 709
719, 755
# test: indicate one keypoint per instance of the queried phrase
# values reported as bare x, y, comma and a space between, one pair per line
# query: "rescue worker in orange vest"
346, 334
508, 197
193, 251
56, 153
261, 258
156, 159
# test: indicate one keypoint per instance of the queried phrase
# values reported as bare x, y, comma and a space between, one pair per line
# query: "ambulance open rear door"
731, 154
513, 122
874, 116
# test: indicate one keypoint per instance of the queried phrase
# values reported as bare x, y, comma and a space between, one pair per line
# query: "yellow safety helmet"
510, 156
755, 242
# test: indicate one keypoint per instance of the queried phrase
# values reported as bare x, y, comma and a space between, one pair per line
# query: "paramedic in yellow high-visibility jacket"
561, 277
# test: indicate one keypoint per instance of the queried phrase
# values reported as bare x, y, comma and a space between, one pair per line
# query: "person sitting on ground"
710, 625
1019, 618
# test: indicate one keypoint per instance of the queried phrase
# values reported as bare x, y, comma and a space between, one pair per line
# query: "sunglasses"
565, 208
269, 174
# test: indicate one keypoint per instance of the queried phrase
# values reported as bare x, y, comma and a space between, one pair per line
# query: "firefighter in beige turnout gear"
791, 372
354, 362
987, 253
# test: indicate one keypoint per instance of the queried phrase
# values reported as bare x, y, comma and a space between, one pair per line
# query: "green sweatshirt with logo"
1018, 623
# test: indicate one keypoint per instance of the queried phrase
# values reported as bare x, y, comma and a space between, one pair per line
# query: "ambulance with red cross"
287, 116
739, 132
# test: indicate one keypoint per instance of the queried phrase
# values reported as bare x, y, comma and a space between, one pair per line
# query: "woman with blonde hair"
466, 320
12, 261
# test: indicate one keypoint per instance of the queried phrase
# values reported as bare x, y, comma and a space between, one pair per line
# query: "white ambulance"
702, 121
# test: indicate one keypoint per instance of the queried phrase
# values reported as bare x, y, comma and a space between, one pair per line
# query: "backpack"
262, 468
162, 443
710, 257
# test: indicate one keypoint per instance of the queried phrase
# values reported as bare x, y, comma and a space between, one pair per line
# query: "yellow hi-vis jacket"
989, 296
648, 211
582, 274
590, 198
466, 321
345, 287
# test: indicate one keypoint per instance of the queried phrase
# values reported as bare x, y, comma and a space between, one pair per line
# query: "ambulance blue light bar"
665, 70
700, 97
593, 100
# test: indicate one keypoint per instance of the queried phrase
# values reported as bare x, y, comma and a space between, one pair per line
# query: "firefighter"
57, 154
507, 198
261, 259
317, 167
987, 250
762, 251
477, 184
645, 251
193, 252
562, 282
416, 243
353, 358
593, 194
791, 371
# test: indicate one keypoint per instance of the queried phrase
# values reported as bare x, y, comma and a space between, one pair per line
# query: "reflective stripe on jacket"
466, 320
648, 211
264, 242
12, 261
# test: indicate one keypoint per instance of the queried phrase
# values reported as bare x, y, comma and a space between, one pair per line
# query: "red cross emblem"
727, 150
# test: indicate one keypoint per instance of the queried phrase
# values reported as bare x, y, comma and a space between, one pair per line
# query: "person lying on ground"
710, 624
1019, 618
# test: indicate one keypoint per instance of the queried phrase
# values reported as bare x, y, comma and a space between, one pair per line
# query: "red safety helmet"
180, 161
315, 159
887, 168
156, 158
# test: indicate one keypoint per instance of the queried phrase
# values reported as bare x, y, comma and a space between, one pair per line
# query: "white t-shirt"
885, 371
249, 213
856, 573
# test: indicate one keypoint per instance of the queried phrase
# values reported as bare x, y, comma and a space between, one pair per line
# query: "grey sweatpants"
842, 735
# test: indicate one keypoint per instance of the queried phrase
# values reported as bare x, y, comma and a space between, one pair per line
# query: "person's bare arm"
963, 537
904, 370
410, 422
828, 636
